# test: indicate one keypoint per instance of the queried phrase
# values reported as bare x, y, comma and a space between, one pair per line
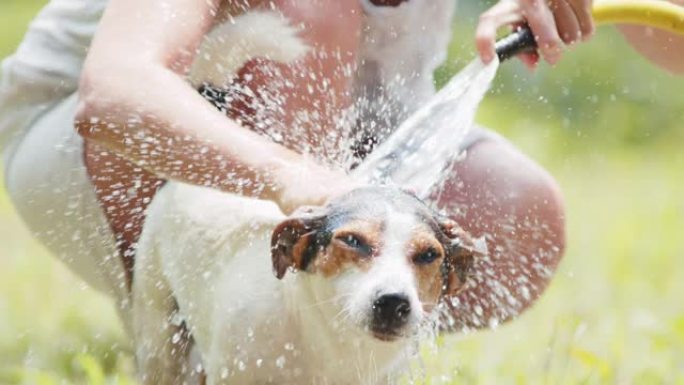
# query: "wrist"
306, 183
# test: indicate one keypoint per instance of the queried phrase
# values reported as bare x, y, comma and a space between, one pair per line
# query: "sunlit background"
607, 124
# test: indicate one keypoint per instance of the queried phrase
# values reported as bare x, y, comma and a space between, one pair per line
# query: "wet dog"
336, 294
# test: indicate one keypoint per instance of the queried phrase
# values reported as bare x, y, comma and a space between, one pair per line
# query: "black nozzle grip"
517, 42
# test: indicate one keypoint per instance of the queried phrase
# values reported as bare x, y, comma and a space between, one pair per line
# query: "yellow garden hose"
658, 14
652, 13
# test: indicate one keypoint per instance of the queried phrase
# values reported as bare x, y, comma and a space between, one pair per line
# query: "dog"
331, 295
226, 289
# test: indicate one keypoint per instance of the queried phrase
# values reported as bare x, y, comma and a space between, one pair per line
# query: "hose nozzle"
522, 40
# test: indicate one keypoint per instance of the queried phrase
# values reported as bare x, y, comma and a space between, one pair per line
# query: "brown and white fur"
371, 267
368, 272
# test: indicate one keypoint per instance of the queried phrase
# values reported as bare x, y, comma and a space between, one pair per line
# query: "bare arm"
135, 101
662, 48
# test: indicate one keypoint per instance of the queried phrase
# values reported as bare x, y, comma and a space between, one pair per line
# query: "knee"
542, 211
513, 203
509, 197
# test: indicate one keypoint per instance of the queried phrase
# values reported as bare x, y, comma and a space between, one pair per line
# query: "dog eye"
352, 241
356, 243
426, 257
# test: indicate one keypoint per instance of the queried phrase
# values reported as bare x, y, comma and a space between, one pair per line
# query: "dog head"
389, 258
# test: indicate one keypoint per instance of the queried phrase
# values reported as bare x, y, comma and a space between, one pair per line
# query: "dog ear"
297, 240
461, 251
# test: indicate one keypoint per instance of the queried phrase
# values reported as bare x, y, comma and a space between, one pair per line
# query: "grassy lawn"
606, 124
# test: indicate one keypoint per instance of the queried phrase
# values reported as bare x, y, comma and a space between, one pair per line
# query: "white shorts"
43, 155
47, 181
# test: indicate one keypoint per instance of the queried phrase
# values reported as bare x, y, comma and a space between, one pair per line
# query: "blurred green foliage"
14, 18
607, 124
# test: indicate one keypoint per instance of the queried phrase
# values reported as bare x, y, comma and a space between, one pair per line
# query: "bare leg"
499, 193
124, 190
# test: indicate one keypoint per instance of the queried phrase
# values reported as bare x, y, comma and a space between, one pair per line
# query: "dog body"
211, 252
372, 265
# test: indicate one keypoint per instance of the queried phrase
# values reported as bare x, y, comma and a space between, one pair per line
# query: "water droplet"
175, 338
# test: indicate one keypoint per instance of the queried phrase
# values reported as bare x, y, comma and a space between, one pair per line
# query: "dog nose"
391, 311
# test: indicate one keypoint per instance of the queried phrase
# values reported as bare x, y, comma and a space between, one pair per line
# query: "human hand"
555, 23
310, 185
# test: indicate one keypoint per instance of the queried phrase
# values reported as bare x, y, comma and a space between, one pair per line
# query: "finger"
530, 60
502, 13
566, 21
582, 10
541, 21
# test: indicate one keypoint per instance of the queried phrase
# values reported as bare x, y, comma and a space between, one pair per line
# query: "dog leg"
162, 342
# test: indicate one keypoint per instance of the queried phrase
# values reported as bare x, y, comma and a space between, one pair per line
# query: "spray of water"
416, 155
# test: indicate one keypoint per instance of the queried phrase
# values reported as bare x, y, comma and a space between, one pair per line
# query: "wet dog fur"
338, 294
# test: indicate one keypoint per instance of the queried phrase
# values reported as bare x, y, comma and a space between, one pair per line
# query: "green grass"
606, 124
14, 18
